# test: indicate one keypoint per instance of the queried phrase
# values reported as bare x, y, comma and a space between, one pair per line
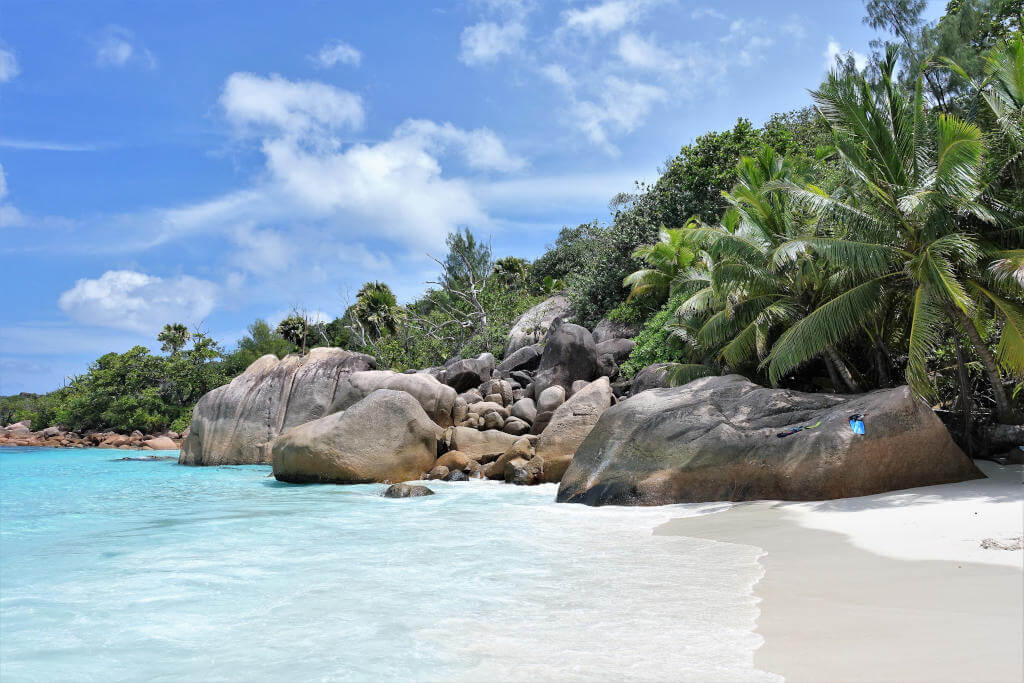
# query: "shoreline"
830, 609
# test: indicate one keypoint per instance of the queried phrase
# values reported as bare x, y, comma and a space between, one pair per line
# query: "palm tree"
907, 233
665, 259
173, 337
376, 309
748, 296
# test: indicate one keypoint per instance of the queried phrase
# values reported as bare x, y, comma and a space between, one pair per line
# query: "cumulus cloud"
328, 192
130, 300
604, 17
644, 53
480, 148
834, 50
291, 107
701, 12
485, 42
337, 53
622, 107
9, 214
118, 47
557, 74
8, 66
747, 40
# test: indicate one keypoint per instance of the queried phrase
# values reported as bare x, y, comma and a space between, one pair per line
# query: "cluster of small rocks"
21, 434
515, 405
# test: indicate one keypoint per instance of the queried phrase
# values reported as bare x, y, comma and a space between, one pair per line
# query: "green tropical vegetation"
873, 238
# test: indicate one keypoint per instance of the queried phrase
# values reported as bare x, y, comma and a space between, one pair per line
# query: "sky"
217, 162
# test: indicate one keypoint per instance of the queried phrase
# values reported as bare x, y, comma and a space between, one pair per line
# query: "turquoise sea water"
114, 570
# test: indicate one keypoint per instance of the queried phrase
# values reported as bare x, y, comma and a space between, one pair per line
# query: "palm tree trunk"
833, 376
963, 379
882, 363
844, 372
1004, 409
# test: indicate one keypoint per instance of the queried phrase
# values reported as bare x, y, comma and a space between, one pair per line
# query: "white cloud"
337, 53
622, 107
834, 50
557, 74
327, 192
795, 27
701, 12
8, 66
644, 53
604, 17
117, 47
747, 40
10, 217
483, 43
291, 107
480, 148
48, 146
130, 300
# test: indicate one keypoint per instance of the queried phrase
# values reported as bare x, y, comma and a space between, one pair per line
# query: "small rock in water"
456, 475
406, 491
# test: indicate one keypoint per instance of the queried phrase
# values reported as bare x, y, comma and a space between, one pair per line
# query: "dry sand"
894, 587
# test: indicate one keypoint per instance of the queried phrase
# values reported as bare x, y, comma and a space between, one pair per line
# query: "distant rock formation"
717, 438
238, 422
532, 326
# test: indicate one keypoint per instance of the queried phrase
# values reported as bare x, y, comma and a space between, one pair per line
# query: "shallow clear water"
147, 570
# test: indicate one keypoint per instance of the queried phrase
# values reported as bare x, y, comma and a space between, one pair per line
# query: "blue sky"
215, 162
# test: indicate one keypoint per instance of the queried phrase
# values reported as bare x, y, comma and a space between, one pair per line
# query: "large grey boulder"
716, 438
532, 326
469, 373
235, 424
437, 399
570, 425
569, 355
619, 349
526, 358
386, 437
524, 409
481, 445
608, 329
652, 377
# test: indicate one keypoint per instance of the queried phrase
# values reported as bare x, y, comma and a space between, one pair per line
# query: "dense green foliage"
870, 239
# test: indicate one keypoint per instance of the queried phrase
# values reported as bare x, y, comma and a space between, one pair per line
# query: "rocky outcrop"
569, 426
469, 372
569, 355
481, 445
652, 377
19, 434
236, 423
618, 349
608, 329
385, 437
526, 358
532, 326
717, 439
161, 443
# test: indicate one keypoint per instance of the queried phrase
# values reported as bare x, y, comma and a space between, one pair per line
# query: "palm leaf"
828, 324
925, 336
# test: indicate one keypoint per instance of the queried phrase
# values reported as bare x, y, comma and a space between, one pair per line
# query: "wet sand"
833, 611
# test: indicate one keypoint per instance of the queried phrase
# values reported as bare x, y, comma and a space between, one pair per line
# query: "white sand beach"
902, 586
